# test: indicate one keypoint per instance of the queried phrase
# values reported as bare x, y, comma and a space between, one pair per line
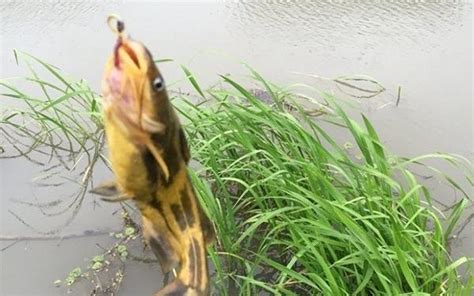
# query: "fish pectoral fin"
108, 188
159, 159
119, 198
111, 192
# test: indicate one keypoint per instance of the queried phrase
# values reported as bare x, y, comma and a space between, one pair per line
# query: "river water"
425, 47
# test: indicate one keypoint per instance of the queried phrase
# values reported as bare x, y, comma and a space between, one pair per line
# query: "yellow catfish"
149, 156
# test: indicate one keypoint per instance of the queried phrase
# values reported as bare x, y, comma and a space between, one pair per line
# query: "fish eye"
158, 84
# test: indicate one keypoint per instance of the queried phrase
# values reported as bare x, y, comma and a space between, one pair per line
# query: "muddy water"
426, 48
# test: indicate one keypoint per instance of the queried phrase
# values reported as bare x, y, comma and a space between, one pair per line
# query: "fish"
149, 156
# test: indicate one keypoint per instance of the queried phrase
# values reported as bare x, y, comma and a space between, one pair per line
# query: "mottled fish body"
149, 156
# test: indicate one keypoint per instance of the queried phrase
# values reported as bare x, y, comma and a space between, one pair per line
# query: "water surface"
424, 47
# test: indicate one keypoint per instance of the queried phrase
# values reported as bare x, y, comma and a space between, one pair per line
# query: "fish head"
134, 91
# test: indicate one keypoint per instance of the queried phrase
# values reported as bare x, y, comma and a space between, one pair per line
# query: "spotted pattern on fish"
179, 216
187, 207
151, 168
173, 156
155, 203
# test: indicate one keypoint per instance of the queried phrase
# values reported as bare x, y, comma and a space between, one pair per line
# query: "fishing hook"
116, 24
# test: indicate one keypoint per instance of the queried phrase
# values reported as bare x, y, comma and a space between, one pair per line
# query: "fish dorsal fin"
183, 142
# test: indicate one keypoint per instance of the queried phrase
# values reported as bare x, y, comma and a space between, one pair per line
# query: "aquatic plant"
295, 212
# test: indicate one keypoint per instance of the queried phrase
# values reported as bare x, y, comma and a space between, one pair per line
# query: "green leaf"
129, 231
193, 81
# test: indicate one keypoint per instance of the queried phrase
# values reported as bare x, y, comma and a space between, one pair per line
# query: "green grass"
295, 213
55, 122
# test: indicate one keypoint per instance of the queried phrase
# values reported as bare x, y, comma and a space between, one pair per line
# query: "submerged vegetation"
295, 212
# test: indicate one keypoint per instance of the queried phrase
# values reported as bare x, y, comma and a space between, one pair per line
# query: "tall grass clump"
55, 122
295, 213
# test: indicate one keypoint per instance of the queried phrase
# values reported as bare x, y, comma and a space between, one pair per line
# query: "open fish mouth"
123, 41
123, 84
126, 71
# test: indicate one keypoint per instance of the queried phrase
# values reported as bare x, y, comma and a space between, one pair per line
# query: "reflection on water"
424, 47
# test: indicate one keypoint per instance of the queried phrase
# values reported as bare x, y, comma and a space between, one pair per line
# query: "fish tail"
194, 231
193, 277
178, 288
